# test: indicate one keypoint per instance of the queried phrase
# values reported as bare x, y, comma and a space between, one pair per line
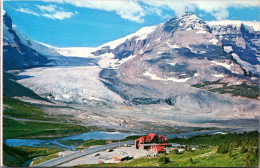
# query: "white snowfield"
84, 52
69, 84
154, 77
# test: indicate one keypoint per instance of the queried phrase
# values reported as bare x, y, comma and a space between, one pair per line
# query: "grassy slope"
18, 109
45, 158
201, 158
32, 129
36, 130
16, 156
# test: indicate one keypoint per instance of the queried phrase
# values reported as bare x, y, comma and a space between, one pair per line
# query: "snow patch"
157, 40
178, 80
228, 66
154, 77
160, 52
172, 63
245, 64
228, 49
196, 74
126, 59
172, 46
94, 98
218, 75
144, 32
201, 32
214, 41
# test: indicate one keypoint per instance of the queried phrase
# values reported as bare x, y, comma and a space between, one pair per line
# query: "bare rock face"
16, 54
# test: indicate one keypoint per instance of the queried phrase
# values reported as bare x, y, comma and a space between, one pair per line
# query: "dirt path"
23, 120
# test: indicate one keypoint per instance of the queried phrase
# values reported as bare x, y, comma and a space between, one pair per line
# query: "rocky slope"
16, 54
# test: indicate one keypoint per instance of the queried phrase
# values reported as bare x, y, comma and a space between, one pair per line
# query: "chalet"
156, 143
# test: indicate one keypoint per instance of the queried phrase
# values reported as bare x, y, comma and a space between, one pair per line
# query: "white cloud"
60, 15
49, 11
218, 9
126, 9
28, 11
49, 8
135, 10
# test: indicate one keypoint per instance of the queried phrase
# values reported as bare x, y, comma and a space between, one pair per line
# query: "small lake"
84, 137
95, 135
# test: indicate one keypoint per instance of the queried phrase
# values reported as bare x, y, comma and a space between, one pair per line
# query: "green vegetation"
208, 83
164, 160
42, 126
215, 140
93, 142
45, 158
39, 130
18, 109
230, 150
16, 156
243, 90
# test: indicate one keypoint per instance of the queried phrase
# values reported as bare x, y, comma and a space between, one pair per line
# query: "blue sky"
90, 23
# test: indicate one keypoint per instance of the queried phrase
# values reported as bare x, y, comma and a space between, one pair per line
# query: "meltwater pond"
84, 137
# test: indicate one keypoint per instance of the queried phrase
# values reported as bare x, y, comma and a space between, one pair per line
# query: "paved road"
77, 154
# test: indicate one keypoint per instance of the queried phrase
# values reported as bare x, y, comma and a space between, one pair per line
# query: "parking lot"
107, 157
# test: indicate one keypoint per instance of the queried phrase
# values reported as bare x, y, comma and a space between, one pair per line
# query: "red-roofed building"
158, 149
145, 142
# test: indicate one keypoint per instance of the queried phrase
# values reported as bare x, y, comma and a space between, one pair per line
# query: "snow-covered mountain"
187, 64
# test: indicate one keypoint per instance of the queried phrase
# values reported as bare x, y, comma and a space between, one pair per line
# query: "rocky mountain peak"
7, 20
188, 21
